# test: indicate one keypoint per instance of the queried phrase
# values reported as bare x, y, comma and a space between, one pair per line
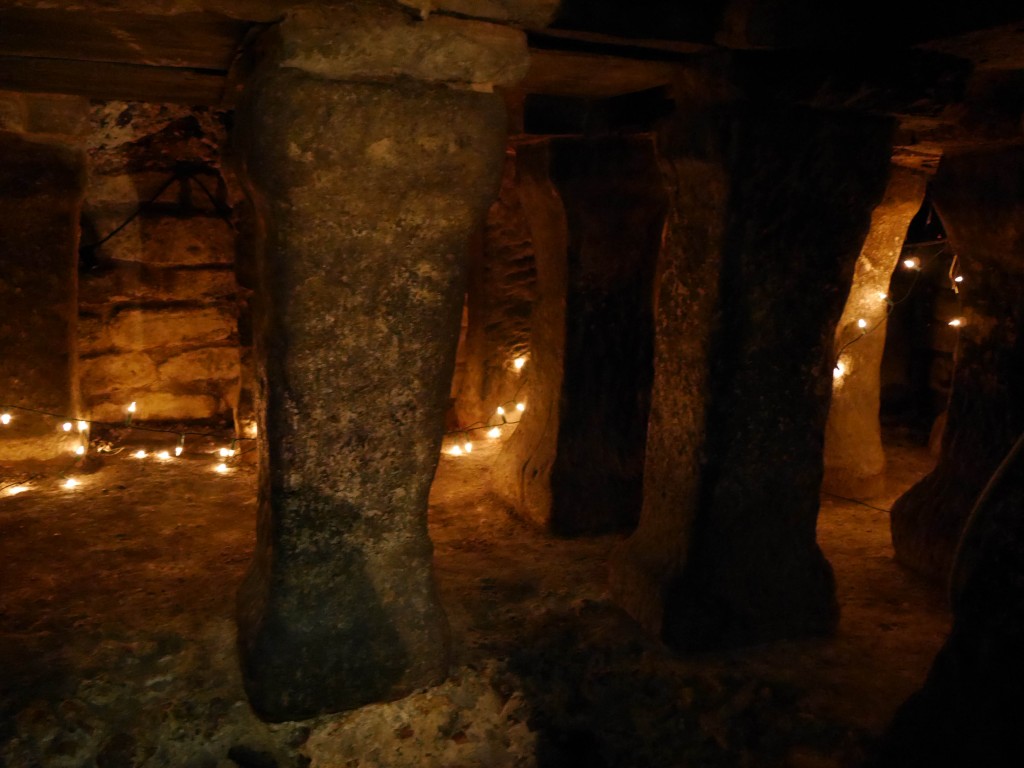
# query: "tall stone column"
854, 458
771, 206
980, 197
41, 189
369, 172
615, 203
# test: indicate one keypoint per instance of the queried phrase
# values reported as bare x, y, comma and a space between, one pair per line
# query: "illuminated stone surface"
522, 472
854, 459
369, 194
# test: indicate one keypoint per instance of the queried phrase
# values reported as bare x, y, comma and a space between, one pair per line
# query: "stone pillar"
854, 458
980, 197
41, 188
370, 173
770, 208
615, 203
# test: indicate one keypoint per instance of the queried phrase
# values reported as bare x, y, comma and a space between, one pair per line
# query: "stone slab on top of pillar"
367, 192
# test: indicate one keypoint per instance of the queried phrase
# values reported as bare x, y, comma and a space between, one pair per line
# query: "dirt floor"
117, 640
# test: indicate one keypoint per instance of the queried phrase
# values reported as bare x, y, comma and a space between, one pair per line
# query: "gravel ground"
117, 641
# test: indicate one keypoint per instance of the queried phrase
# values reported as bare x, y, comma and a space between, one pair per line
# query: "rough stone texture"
132, 283
368, 194
115, 372
53, 116
854, 458
980, 197
368, 42
170, 241
686, 301
725, 553
13, 112
148, 329
500, 297
162, 405
616, 204
164, 284
208, 363
40, 198
521, 474
970, 711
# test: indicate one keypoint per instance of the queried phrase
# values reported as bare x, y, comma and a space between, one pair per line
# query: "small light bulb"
912, 263
520, 407
500, 412
140, 454
222, 468
862, 323
883, 296
455, 450
15, 490
226, 452
494, 432
66, 426
5, 418
80, 450
131, 408
468, 447
519, 362
956, 322
82, 426
164, 455
71, 483
839, 371
178, 450
958, 279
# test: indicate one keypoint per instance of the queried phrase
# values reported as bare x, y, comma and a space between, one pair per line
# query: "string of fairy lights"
497, 425
841, 366
506, 416
83, 429
495, 428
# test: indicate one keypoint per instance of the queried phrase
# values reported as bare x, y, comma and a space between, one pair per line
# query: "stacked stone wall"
158, 300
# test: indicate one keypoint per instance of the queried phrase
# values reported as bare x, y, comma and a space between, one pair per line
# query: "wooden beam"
192, 40
592, 76
103, 80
